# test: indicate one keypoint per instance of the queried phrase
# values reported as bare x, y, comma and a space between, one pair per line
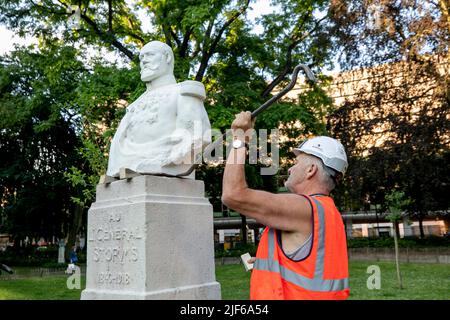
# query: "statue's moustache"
149, 68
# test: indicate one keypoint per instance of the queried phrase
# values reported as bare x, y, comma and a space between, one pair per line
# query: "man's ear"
311, 171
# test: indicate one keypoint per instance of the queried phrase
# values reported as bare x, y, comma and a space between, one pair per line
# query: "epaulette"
193, 88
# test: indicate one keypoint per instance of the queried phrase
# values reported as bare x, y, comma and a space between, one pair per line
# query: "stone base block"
151, 238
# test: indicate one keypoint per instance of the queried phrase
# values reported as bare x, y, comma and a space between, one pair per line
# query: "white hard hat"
330, 150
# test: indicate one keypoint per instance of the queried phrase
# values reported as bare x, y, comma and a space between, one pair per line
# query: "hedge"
33, 256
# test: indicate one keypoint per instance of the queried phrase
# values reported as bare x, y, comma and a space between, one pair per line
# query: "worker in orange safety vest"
302, 252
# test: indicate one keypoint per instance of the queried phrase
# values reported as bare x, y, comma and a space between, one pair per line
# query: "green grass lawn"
421, 281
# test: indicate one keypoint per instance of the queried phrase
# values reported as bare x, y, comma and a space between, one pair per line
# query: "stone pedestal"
151, 238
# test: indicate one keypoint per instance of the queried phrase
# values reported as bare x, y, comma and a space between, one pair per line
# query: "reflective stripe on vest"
315, 284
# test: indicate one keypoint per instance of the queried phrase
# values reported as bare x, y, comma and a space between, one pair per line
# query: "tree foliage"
396, 124
61, 106
213, 42
38, 138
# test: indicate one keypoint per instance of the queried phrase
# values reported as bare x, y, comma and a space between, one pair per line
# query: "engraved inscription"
113, 278
114, 217
115, 254
108, 234
114, 243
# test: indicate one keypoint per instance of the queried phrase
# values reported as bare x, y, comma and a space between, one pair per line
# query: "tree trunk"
244, 229
397, 229
73, 229
422, 233
16, 242
397, 262
256, 231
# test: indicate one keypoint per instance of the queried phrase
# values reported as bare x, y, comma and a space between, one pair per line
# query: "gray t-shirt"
301, 252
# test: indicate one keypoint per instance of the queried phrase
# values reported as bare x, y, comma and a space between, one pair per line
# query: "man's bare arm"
287, 212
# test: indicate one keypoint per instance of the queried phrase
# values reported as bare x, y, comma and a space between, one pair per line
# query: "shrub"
237, 250
54, 265
407, 242
30, 256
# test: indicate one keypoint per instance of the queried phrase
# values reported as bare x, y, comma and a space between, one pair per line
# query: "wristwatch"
238, 144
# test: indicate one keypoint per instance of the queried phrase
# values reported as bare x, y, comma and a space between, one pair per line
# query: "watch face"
237, 144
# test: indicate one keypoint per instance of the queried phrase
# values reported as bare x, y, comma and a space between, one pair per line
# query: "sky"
8, 38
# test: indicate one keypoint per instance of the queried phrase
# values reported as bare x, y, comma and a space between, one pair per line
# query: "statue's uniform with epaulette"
162, 131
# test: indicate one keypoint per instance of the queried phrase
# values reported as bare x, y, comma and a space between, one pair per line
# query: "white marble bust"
167, 126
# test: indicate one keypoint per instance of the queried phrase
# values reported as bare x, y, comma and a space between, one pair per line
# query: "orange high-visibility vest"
323, 274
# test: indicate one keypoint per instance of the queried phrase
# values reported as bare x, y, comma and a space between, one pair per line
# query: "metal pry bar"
309, 76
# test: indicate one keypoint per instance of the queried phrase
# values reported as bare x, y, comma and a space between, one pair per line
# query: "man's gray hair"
326, 175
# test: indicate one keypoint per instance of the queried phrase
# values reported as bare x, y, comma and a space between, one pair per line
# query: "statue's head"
156, 59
